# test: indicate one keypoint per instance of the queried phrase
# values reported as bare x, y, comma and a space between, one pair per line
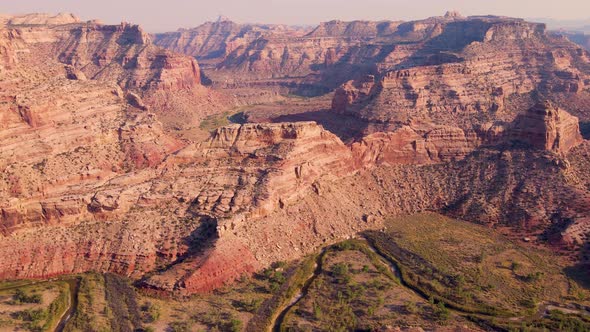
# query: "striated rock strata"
92, 179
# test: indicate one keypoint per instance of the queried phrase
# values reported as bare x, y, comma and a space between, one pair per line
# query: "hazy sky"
166, 15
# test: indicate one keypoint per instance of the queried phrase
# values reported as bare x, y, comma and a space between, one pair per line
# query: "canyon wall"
94, 180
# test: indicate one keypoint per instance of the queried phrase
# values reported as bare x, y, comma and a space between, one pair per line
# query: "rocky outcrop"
43, 19
287, 157
542, 127
514, 181
92, 179
465, 93
66, 134
455, 69
123, 54
241, 170
212, 41
354, 29
547, 127
580, 38
241, 176
415, 145
7, 53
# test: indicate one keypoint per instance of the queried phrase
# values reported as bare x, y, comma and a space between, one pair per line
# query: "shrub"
279, 265
235, 325
529, 303
21, 297
56, 308
179, 327
340, 270
317, 311
533, 277
151, 312
276, 277
514, 266
411, 307
441, 312
30, 315
274, 287
346, 245
250, 306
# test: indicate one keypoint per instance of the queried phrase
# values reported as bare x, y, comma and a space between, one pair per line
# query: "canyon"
106, 166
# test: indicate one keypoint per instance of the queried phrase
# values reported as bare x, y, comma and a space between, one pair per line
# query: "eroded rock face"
542, 127
466, 92
278, 160
212, 41
243, 175
92, 180
415, 145
42, 19
413, 57
7, 54
123, 54
354, 29
547, 127
61, 139
241, 170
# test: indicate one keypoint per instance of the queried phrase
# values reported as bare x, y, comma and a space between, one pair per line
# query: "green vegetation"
348, 292
20, 297
448, 273
215, 121
296, 278
250, 306
83, 319
58, 307
555, 321
275, 275
32, 318
34, 306
224, 321
150, 312
469, 267
179, 327
122, 303
107, 302
30, 315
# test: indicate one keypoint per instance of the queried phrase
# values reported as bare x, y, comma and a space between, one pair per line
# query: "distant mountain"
578, 31
580, 38
569, 25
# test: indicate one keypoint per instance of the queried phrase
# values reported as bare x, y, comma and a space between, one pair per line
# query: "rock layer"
547, 127
92, 179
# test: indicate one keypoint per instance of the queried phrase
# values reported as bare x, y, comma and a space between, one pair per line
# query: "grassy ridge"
357, 290
270, 309
58, 307
475, 270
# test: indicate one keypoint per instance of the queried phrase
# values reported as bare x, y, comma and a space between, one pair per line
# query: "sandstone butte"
95, 178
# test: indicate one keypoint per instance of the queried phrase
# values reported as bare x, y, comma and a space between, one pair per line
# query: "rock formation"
440, 65
471, 86
123, 54
212, 41
42, 19
94, 180
547, 127
580, 38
